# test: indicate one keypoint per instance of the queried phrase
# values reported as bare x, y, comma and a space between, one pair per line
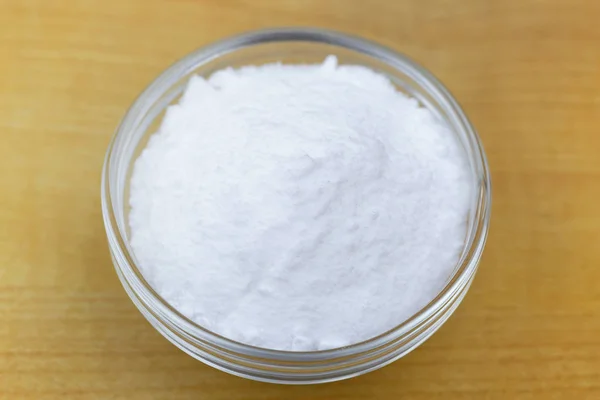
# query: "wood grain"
528, 74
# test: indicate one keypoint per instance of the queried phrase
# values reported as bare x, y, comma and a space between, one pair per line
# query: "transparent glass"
288, 46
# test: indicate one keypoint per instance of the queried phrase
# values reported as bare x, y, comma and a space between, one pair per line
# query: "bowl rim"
123, 254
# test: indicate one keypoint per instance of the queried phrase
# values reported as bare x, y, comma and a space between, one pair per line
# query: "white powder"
299, 207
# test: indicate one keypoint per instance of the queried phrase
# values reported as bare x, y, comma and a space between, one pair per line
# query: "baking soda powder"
299, 207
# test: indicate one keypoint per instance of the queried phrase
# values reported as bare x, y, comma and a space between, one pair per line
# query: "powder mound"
299, 207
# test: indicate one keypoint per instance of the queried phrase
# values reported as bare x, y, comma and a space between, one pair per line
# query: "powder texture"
299, 207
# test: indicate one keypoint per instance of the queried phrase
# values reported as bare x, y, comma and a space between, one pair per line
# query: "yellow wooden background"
527, 73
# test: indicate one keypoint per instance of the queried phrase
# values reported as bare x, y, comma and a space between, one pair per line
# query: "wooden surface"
528, 75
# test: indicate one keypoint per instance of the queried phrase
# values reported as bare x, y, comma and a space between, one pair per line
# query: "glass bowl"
295, 45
